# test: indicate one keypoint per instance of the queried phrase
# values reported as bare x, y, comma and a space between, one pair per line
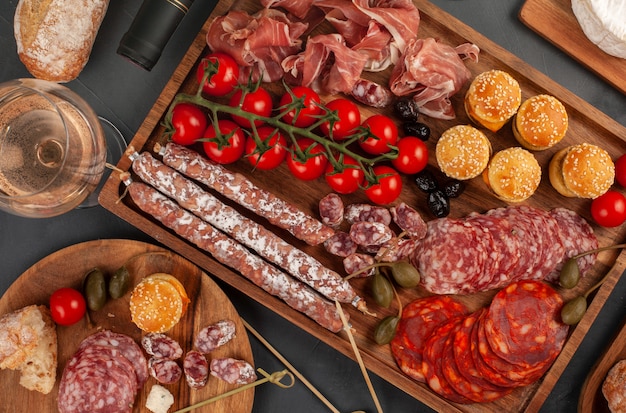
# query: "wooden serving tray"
591, 397
555, 21
586, 124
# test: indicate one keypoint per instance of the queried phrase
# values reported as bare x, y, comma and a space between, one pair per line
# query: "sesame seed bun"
157, 303
540, 122
463, 152
492, 99
513, 174
582, 171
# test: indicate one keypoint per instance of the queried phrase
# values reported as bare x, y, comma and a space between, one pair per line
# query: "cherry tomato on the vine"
224, 153
412, 155
315, 164
347, 180
67, 306
388, 188
609, 209
349, 119
189, 122
258, 102
273, 156
384, 131
226, 75
620, 170
305, 116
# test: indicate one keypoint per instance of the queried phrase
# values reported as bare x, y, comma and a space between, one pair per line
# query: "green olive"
119, 283
386, 329
405, 274
95, 290
574, 310
382, 290
570, 274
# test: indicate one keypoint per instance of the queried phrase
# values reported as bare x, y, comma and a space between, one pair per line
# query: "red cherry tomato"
224, 77
349, 119
258, 102
388, 187
315, 164
384, 131
273, 156
347, 180
412, 155
67, 306
609, 209
620, 170
189, 122
306, 115
229, 152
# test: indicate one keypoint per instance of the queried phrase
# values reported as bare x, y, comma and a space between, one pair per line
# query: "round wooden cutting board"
67, 267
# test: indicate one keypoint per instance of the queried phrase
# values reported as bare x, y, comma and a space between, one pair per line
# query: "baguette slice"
28, 343
55, 37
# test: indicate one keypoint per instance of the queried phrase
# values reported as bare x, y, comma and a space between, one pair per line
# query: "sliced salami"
160, 345
356, 263
397, 249
366, 233
214, 336
331, 210
196, 369
409, 220
366, 213
233, 371
341, 244
165, 371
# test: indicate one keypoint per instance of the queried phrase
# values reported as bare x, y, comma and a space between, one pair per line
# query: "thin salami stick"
244, 230
240, 189
229, 252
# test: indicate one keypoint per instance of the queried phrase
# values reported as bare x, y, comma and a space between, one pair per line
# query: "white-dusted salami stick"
229, 252
240, 189
244, 230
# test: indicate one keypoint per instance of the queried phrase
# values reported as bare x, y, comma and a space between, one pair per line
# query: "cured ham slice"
299, 8
433, 72
257, 42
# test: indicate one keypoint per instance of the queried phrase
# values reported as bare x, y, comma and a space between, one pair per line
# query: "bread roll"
463, 152
28, 343
492, 99
157, 303
540, 123
55, 37
582, 171
614, 387
513, 174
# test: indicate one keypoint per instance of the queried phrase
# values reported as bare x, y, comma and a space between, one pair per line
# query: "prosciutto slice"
433, 72
299, 8
258, 42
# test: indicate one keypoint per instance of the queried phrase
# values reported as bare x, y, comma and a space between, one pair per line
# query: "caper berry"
438, 203
119, 283
386, 329
406, 109
417, 129
453, 189
405, 274
574, 310
382, 290
426, 181
94, 288
570, 274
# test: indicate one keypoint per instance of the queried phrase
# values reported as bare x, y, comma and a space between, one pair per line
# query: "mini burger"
513, 174
540, 122
492, 99
582, 171
158, 302
463, 152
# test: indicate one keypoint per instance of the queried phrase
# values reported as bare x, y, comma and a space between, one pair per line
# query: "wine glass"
52, 148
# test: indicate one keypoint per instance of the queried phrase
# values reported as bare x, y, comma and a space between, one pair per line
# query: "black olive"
417, 129
406, 109
454, 188
426, 181
439, 203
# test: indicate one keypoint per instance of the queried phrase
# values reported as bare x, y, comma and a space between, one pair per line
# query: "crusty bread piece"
614, 387
55, 37
28, 342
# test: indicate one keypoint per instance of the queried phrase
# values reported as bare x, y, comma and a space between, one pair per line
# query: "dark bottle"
151, 29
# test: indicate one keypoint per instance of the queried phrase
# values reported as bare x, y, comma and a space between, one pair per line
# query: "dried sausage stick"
240, 189
244, 230
229, 252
